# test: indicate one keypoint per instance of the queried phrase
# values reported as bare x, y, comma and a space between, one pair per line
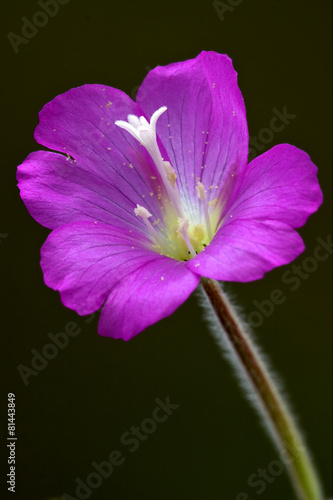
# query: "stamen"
212, 203
142, 212
145, 215
201, 191
171, 174
203, 198
182, 229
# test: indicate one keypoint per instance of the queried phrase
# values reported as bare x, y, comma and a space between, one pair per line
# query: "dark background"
75, 410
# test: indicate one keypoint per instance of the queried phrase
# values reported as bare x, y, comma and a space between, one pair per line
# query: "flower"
146, 197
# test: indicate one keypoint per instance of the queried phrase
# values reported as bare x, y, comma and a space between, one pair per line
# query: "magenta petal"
80, 123
204, 130
152, 292
282, 185
85, 261
246, 249
57, 191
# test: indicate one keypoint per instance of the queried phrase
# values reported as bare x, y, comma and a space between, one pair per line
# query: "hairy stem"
279, 419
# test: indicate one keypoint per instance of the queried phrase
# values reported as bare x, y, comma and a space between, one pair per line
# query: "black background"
75, 410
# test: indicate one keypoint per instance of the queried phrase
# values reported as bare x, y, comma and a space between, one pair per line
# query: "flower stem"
279, 419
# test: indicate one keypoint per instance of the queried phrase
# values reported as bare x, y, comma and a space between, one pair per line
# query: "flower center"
180, 235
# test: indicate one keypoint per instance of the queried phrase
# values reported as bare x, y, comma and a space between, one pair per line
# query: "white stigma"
141, 129
145, 133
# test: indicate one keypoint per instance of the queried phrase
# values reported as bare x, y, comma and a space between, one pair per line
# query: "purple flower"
145, 198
